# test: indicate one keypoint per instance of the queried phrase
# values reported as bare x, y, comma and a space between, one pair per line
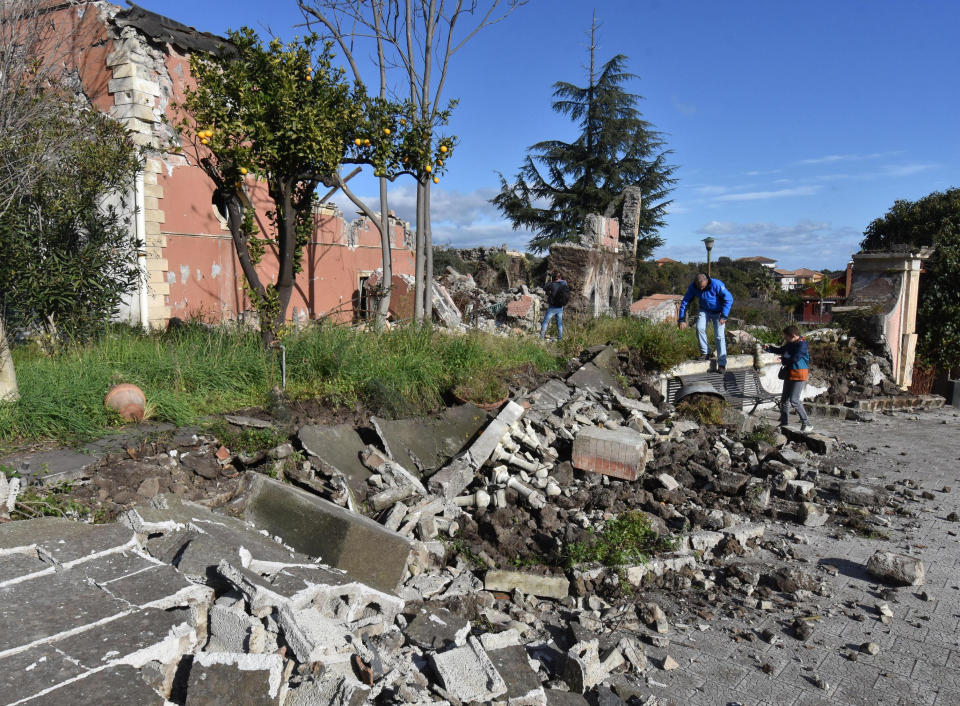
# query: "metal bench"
740, 387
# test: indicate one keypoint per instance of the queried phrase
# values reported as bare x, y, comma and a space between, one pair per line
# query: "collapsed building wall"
883, 299
134, 65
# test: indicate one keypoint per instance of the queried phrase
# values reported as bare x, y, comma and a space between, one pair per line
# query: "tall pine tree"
560, 183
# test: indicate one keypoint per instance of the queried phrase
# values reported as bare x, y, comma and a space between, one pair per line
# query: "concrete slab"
593, 378
61, 541
556, 587
17, 567
114, 685
50, 612
31, 672
437, 629
134, 639
523, 684
468, 674
549, 396
337, 448
621, 453
424, 445
364, 549
235, 679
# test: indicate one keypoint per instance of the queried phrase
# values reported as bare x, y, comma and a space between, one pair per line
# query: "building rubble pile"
514, 310
473, 620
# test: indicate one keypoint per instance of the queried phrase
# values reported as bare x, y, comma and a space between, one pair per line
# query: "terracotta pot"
485, 406
127, 400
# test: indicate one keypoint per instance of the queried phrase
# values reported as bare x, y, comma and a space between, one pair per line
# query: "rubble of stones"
486, 608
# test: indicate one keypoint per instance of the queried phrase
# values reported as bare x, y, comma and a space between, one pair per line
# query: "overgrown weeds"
627, 539
246, 440
55, 501
704, 409
659, 346
761, 432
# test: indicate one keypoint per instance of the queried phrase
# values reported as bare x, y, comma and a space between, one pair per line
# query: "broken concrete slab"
367, 551
423, 445
467, 673
550, 396
437, 629
861, 494
62, 542
557, 697
593, 378
241, 679
556, 587
337, 449
897, 568
621, 453
314, 637
523, 684
34, 671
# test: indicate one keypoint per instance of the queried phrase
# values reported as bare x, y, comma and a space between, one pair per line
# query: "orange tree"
283, 114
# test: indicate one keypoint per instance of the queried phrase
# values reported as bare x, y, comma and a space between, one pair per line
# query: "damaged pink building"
134, 64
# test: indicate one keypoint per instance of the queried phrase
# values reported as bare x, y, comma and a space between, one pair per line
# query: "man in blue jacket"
715, 303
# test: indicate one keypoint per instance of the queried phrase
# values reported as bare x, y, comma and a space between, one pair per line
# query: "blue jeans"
718, 330
551, 312
791, 397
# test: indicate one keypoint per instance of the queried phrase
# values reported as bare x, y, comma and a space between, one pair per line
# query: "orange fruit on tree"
204, 141
243, 170
386, 131
366, 142
443, 148
428, 168
436, 180
358, 142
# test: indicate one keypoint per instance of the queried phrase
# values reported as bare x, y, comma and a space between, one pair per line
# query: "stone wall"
598, 279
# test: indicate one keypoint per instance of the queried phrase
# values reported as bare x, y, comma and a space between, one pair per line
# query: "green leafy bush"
627, 539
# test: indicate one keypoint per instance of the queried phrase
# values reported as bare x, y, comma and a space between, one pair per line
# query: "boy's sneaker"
704, 356
806, 428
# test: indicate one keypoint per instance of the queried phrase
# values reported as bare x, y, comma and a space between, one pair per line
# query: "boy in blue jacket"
715, 303
795, 359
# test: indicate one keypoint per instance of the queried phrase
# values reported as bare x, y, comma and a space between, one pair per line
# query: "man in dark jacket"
558, 294
715, 302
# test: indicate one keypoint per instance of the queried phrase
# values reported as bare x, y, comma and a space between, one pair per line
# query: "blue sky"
793, 124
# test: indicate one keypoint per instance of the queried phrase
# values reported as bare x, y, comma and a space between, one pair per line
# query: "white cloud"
807, 243
833, 158
776, 194
458, 219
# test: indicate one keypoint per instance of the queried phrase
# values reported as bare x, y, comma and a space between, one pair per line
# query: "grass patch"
659, 346
761, 432
627, 539
703, 409
197, 372
246, 440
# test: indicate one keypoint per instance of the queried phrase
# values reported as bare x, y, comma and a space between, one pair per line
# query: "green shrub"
703, 409
660, 346
627, 539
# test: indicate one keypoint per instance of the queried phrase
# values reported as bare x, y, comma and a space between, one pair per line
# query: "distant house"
813, 311
759, 259
791, 279
657, 307
665, 261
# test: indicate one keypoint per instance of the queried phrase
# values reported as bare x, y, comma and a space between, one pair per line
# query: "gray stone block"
437, 629
35, 670
356, 544
556, 587
523, 684
897, 568
593, 378
468, 674
235, 679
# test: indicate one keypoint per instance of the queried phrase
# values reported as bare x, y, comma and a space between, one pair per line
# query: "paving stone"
556, 587
17, 567
342, 691
523, 684
621, 453
64, 542
813, 515
160, 586
119, 684
437, 629
467, 673
549, 396
423, 445
139, 637
235, 679
364, 549
31, 672
860, 494
314, 637
57, 603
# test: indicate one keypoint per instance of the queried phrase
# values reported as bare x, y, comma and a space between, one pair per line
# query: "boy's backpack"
561, 294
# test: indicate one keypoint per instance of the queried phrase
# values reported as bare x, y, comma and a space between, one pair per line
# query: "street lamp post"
709, 243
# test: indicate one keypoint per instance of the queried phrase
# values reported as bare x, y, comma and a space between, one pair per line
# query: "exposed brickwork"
519, 308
